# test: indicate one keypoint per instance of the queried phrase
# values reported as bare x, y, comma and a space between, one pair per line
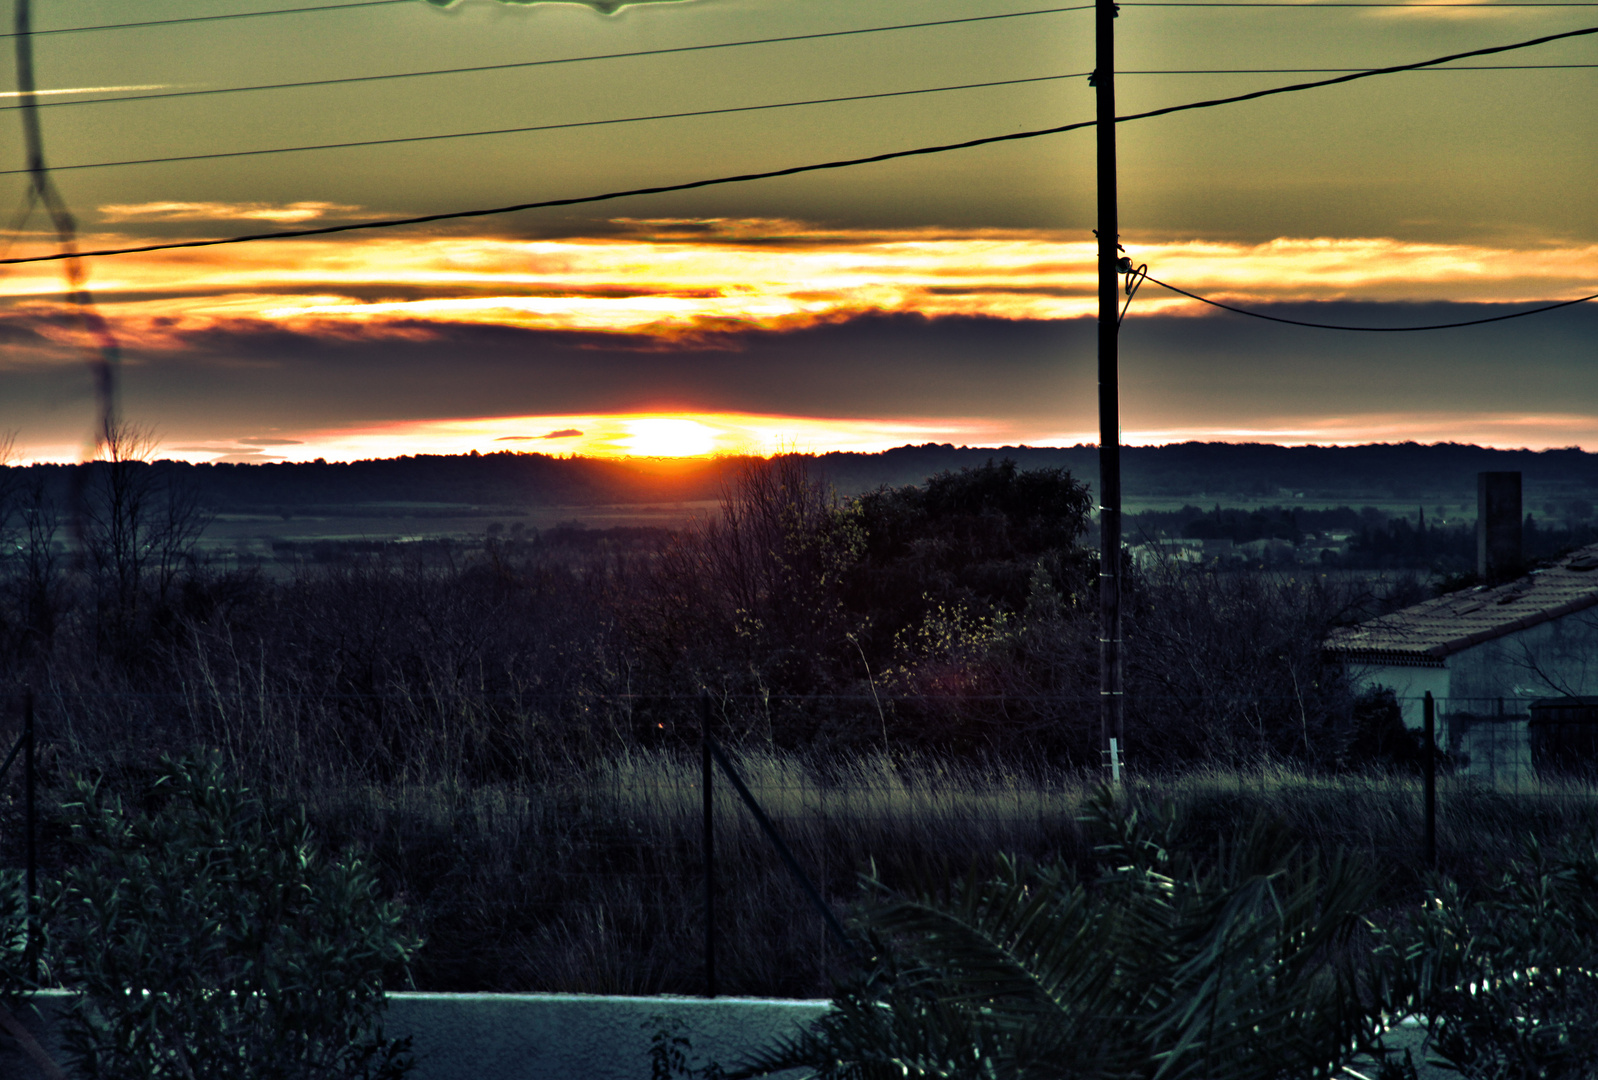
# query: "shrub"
209, 937
1508, 980
1379, 735
18, 968
1166, 966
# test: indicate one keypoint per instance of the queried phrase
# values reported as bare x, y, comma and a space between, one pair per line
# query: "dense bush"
19, 969
1163, 964
1506, 975
206, 935
1239, 955
973, 540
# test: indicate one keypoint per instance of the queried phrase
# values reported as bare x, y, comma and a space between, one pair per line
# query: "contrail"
85, 90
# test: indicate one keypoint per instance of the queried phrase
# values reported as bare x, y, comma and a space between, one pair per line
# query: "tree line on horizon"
956, 616
1253, 471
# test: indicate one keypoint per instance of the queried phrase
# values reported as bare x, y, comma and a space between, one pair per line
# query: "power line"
306, 83
1369, 329
691, 185
215, 18
1314, 4
1328, 71
1490, 51
560, 60
497, 67
1211, 103
554, 127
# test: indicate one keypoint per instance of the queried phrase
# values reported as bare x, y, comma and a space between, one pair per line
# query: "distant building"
1166, 552
1270, 550
1487, 655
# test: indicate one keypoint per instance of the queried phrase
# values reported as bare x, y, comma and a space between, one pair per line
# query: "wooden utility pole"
1112, 712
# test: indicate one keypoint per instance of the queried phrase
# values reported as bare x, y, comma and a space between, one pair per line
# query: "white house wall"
1410, 684
1557, 658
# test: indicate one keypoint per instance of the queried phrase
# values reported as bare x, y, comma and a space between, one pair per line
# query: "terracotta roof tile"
1448, 624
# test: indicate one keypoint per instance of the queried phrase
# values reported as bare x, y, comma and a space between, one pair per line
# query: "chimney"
1498, 524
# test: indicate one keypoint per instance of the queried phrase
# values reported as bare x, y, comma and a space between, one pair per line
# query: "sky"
945, 298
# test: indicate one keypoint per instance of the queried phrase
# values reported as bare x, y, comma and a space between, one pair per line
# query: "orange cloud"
282, 213
681, 279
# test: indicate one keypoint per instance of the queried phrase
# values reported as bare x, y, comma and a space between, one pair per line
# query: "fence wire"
567, 871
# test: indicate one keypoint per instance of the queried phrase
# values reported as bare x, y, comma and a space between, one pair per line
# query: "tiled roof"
1448, 624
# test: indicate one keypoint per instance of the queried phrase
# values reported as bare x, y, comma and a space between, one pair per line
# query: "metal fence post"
706, 779
1431, 780
783, 852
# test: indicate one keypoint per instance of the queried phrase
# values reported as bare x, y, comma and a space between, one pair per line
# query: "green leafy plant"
208, 937
670, 1052
20, 972
19, 969
1507, 980
1165, 966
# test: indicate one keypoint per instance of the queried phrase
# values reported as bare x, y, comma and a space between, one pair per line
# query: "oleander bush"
19, 966
1506, 974
208, 936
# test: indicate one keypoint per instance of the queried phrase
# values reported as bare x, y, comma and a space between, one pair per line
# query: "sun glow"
668, 437
677, 439
665, 436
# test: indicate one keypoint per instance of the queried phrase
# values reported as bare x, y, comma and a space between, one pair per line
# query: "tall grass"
583, 873
591, 880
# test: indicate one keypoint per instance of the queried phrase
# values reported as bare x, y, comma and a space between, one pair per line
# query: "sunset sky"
947, 298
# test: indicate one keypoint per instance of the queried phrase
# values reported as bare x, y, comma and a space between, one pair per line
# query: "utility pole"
1112, 711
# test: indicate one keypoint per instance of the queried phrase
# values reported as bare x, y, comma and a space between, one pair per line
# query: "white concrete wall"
576, 1037
1411, 685
1493, 684
533, 1036
1551, 659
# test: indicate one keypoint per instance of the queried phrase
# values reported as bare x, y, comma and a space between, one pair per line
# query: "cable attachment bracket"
1134, 281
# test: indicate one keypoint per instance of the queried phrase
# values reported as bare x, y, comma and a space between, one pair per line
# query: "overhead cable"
214, 18
1318, 4
496, 67
559, 60
1327, 71
1368, 329
557, 127
662, 189
318, 8
1210, 103
1234, 99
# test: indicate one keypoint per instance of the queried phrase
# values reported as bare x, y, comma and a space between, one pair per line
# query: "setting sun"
658, 437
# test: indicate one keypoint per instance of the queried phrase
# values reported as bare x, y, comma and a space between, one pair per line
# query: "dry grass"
585, 873
592, 882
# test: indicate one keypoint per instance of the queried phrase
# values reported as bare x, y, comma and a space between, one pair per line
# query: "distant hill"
1215, 472
1254, 471
503, 479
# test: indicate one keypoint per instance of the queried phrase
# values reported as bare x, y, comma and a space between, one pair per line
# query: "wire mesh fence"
669, 862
